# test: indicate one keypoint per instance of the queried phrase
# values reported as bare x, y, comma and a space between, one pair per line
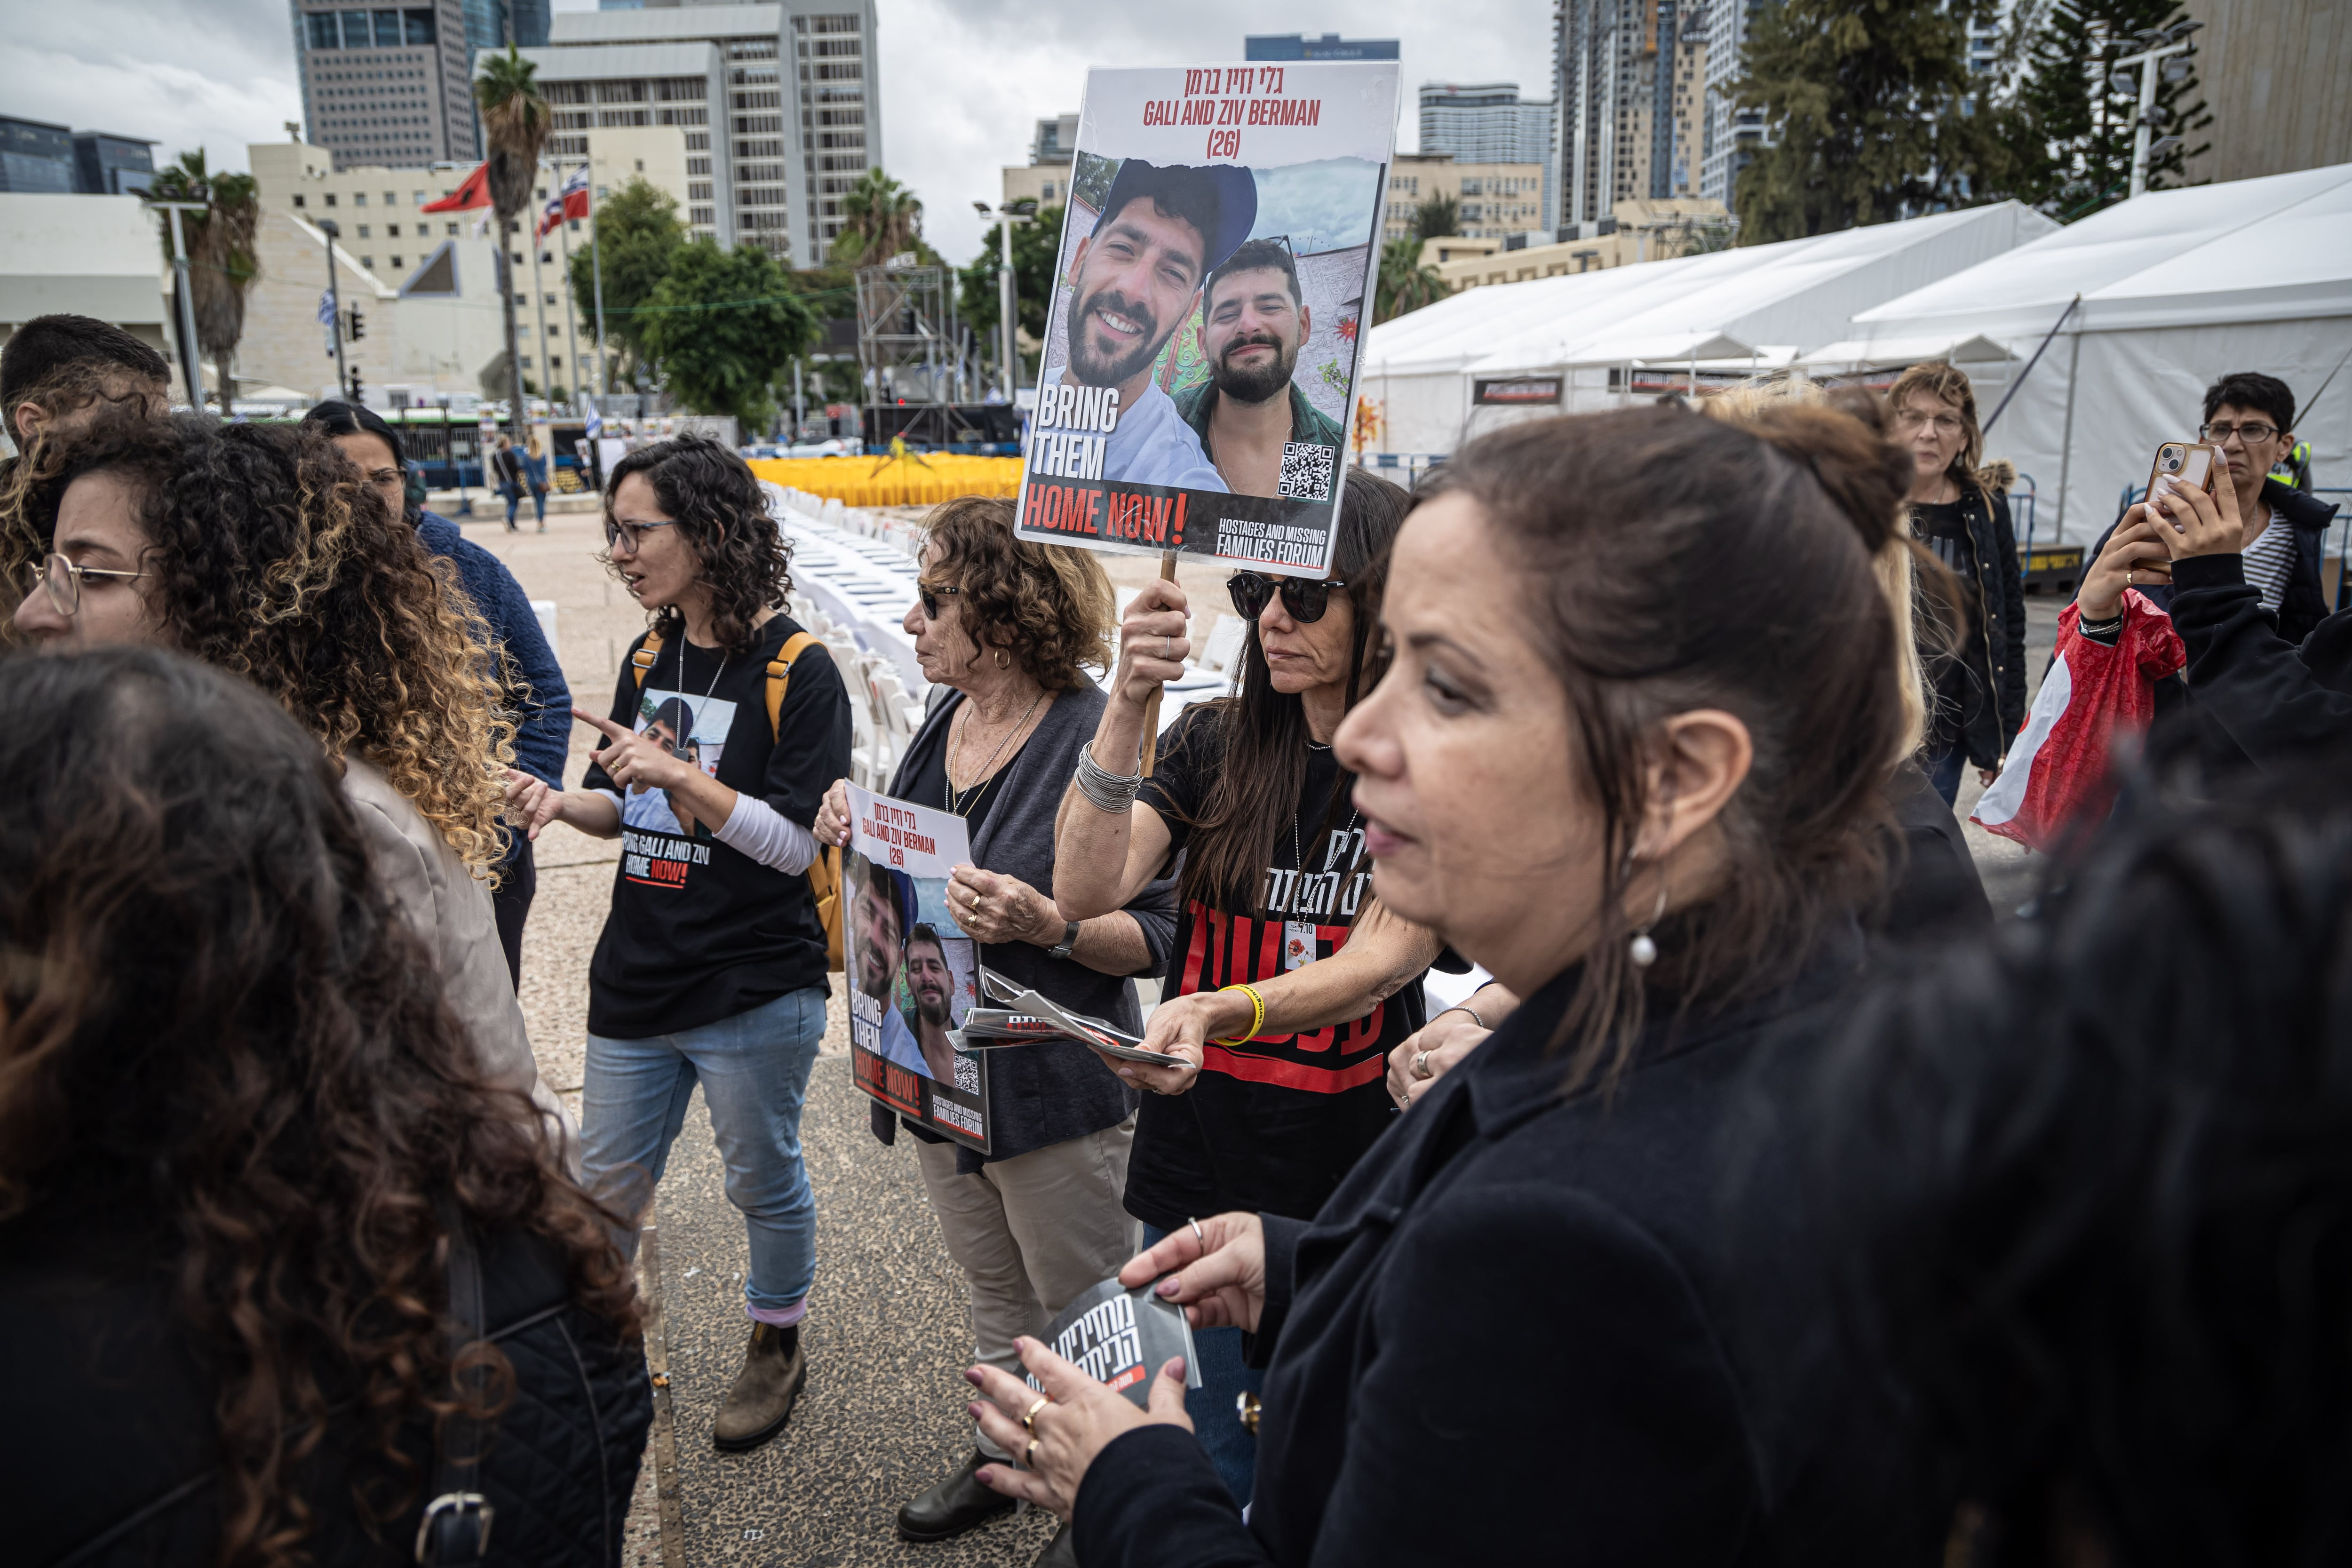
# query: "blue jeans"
1944, 770
1231, 1446
513, 493
754, 1072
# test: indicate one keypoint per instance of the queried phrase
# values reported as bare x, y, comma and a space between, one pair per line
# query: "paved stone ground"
882, 1417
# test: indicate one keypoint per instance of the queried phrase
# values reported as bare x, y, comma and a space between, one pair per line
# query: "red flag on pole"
474, 193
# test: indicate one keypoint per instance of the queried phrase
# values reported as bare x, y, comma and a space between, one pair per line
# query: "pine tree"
2077, 143
1872, 115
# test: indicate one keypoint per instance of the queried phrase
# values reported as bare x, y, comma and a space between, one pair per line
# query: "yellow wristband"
1257, 1016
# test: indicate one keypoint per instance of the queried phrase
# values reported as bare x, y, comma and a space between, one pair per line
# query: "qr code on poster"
1305, 471
967, 1074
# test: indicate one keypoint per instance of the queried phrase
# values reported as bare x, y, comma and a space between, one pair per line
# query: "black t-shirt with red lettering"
699, 930
1273, 1124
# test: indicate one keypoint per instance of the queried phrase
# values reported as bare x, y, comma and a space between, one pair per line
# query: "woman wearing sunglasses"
711, 967
1004, 631
1290, 984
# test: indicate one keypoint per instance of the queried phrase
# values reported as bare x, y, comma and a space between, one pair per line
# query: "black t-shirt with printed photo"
1271, 1125
700, 932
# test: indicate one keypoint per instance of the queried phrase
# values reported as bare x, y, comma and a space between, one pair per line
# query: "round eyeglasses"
62, 579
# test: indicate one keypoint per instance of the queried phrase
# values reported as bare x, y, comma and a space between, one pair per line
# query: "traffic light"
359, 324
356, 396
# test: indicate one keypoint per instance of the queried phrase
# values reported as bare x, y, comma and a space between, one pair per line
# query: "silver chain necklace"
947, 768
694, 715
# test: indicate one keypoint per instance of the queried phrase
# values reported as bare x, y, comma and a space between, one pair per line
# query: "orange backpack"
825, 872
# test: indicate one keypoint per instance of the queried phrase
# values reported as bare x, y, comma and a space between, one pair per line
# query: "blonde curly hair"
271, 557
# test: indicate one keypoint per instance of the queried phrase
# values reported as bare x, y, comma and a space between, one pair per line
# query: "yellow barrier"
912, 480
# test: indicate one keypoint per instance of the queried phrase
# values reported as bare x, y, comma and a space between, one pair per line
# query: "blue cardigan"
540, 701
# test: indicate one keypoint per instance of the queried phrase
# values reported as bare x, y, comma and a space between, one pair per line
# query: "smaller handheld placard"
1122, 1338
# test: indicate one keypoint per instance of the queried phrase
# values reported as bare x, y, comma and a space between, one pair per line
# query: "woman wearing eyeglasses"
1004, 631
1976, 671
260, 549
1289, 984
711, 967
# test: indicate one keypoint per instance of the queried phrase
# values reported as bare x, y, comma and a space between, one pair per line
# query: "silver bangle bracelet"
1464, 1007
1109, 792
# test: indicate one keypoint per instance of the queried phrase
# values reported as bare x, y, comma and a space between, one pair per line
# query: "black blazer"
1530, 1329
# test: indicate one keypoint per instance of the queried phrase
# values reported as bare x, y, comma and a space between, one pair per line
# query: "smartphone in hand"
2190, 464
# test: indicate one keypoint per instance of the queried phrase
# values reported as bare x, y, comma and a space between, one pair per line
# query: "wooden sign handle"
1151, 703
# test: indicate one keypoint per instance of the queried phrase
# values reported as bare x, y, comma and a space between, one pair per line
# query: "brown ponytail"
1675, 562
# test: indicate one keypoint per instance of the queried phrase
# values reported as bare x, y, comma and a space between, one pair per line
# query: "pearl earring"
1641, 950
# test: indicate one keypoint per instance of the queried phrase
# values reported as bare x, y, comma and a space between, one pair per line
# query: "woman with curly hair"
1004, 630
723, 736
260, 549
270, 1242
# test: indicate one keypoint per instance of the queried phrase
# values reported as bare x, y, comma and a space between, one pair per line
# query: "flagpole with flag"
559, 216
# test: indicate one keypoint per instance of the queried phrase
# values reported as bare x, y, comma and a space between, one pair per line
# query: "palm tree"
222, 265
885, 219
1438, 218
515, 122
1404, 283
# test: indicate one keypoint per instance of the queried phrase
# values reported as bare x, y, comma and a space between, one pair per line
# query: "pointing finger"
598, 721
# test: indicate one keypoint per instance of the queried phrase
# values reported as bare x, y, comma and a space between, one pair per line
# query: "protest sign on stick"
1218, 260
913, 972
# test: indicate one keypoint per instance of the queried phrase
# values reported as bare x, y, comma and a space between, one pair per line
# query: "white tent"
2178, 288
1440, 374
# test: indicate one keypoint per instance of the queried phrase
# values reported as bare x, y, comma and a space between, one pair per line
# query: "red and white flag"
2061, 772
571, 201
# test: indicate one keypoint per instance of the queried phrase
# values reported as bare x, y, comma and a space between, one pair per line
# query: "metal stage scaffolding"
910, 351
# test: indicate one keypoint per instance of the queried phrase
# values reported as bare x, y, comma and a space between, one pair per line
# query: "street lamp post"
2167, 44
1008, 364
193, 373
332, 230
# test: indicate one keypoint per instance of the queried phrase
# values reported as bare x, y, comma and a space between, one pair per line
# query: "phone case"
2193, 463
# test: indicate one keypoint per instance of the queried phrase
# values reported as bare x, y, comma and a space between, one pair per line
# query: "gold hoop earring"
1003, 660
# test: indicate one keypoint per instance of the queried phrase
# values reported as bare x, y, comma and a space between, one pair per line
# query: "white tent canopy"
2178, 288
1423, 369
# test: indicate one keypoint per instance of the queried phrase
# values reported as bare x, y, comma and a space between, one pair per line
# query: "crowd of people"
1766, 1203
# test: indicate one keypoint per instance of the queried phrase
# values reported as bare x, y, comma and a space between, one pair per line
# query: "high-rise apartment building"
779, 102
1488, 122
1627, 120
1492, 200
387, 85
1733, 134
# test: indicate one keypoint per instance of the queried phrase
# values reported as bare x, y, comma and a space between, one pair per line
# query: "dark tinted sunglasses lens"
930, 603
1305, 601
1250, 593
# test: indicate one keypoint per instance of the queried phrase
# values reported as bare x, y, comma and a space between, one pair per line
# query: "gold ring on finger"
1029, 1453
1029, 1416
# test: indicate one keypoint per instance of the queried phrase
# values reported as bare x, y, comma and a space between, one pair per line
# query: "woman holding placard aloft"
1004, 629
1290, 984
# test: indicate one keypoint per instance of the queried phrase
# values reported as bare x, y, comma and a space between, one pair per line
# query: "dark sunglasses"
931, 596
1305, 597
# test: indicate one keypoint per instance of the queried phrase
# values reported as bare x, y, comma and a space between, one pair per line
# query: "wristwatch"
1069, 939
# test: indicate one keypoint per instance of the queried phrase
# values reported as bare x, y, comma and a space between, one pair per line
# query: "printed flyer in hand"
1123, 1338
913, 972
1219, 253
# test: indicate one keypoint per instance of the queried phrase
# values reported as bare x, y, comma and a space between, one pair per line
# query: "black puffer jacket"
106, 1423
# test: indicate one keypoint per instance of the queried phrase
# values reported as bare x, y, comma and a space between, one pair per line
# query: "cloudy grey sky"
963, 82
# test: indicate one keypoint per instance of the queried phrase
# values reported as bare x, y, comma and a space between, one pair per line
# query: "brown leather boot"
775, 1368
